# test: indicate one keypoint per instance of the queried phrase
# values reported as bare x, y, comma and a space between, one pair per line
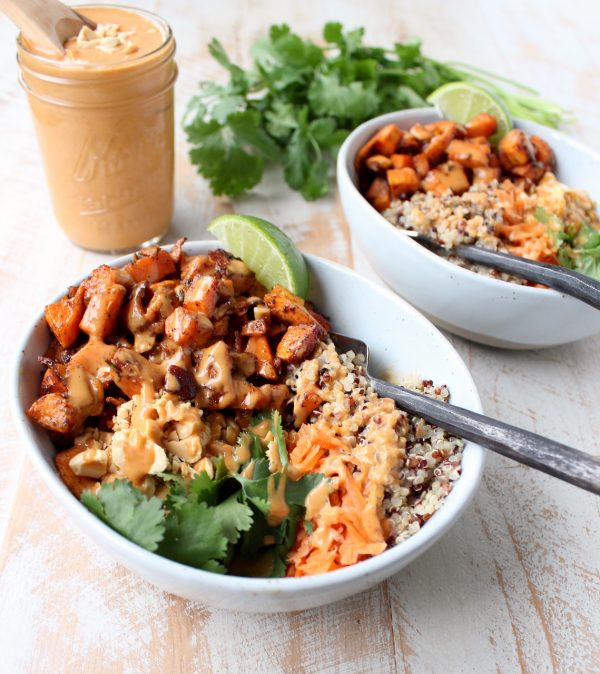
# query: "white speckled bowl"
471, 305
402, 342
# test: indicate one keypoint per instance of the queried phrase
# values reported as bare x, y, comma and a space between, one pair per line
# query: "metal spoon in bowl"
554, 458
564, 280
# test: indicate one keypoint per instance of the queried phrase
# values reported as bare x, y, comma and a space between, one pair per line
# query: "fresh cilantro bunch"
299, 100
212, 523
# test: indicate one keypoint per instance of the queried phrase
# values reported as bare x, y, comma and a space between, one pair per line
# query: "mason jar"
106, 135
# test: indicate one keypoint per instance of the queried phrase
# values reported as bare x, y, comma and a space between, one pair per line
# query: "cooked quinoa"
412, 464
502, 216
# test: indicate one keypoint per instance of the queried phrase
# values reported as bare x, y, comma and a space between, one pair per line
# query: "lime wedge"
269, 253
461, 101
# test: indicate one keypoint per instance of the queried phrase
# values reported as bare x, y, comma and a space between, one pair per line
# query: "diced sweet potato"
131, 370
55, 413
102, 312
485, 175
401, 161
409, 145
439, 143
515, 149
255, 327
469, 154
76, 484
63, 317
176, 251
93, 357
387, 139
447, 176
532, 171
298, 343
188, 328
378, 163
52, 381
379, 194
543, 152
421, 164
152, 265
260, 348
482, 124
304, 405
289, 308
403, 181
202, 295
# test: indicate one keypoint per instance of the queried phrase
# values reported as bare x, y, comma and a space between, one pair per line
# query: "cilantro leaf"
233, 517
352, 102
232, 155
194, 536
124, 508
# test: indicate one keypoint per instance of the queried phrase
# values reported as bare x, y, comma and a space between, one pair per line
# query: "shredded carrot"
347, 529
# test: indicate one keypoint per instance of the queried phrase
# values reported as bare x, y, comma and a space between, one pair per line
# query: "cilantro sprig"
299, 100
212, 522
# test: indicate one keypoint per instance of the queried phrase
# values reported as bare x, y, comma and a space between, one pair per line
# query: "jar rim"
155, 18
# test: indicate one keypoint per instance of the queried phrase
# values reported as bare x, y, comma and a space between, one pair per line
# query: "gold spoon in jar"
47, 23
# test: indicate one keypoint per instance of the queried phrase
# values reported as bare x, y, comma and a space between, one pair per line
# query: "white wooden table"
514, 587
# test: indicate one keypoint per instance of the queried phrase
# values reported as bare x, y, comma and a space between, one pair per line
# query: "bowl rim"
138, 557
431, 113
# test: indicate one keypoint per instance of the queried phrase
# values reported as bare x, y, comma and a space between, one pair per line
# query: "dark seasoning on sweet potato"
200, 327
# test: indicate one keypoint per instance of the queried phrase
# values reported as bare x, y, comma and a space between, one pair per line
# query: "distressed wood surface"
514, 587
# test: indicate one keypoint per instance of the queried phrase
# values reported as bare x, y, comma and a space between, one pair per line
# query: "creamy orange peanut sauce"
103, 113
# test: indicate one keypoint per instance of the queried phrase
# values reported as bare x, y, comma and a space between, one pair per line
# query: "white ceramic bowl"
471, 305
401, 341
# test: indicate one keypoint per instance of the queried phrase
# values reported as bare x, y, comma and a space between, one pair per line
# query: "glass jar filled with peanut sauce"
103, 114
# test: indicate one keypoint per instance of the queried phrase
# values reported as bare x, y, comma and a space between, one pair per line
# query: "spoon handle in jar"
47, 23
548, 456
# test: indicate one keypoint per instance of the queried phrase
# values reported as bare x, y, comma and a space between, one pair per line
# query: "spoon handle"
564, 280
554, 458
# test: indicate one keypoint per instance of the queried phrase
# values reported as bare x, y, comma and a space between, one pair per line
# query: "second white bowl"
471, 305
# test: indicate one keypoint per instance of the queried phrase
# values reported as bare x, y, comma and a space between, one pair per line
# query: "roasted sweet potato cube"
401, 161
298, 343
379, 194
188, 328
409, 145
102, 312
176, 251
260, 348
403, 181
202, 294
55, 413
289, 308
543, 152
515, 149
469, 154
304, 405
76, 484
364, 152
63, 317
485, 175
447, 176
255, 327
421, 164
378, 163
131, 370
439, 143
387, 139
52, 381
532, 171
482, 124
152, 265
94, 357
